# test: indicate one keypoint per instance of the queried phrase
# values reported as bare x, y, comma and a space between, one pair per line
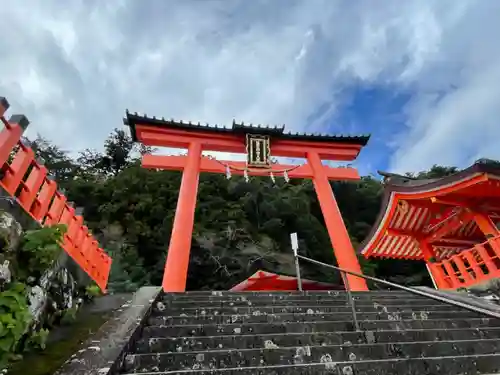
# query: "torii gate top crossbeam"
156, 132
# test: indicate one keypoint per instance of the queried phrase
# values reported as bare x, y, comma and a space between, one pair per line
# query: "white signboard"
295, 242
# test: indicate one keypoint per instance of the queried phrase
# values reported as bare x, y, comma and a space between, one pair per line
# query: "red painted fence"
472, 266
27, 181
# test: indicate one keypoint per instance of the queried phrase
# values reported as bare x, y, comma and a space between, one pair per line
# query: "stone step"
292, 297
196, 295
307, 317
292, 309
260, 292
300, 302
309, 327
449, 365
304, 354
186, 344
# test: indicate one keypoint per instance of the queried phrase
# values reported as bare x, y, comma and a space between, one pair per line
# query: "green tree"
240, 226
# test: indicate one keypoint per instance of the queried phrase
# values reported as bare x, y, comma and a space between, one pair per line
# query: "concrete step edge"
311, 347
284, 293
312, 314
367, 306
326, 298
229, 304
315, 322
340, 290
319, 365
344, 304
294, 298
315, 333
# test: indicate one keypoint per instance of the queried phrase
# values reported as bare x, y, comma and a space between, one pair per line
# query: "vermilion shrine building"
450, 223
258, 143
268, 281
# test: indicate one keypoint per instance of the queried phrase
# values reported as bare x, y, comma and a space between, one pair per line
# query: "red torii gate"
258, 143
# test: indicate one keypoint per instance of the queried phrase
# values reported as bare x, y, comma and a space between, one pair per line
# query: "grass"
48, 361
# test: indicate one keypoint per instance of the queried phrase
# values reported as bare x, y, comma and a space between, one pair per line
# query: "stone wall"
52, 294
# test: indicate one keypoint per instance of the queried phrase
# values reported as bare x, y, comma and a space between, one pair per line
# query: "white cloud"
74, 66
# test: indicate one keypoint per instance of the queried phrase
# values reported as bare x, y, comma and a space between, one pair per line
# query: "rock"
489, 290
10, 231
5, 273
37, 298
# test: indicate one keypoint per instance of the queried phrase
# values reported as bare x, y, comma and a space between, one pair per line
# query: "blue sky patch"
377, 110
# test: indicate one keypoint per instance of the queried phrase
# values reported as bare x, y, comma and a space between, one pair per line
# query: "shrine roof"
401, 183
134, 119
263, 280
412, 208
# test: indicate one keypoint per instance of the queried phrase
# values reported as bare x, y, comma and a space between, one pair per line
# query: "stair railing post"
295, 247
350, 301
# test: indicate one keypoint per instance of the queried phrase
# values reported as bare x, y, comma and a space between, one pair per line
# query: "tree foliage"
38, 250
240, 226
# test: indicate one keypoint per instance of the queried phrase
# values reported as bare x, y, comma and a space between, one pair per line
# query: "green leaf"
6, 343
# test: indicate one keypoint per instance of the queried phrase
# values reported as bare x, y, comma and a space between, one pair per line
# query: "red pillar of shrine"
488, 228
437, 275
427, 250
176, 267
486, 225
339, 237
436, 272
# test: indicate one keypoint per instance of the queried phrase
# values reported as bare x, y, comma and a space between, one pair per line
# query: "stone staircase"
312, 333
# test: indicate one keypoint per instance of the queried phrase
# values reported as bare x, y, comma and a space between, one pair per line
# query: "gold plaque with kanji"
258, 150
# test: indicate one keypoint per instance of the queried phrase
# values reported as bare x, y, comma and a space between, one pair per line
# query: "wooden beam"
436, 242
485, 224
425, 204
235, 143
427, 250
481, 213
456, 242
439, 217
237, 168
472, 206
450, 202
449, 225
439, 222
405, 233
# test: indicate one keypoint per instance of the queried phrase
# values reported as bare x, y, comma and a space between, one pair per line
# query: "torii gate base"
196, 139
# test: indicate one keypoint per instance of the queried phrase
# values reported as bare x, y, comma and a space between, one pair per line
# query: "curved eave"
134, 119
475, 174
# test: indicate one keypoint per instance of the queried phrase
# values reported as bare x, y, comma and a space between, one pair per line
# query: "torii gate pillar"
176, 267
342, 245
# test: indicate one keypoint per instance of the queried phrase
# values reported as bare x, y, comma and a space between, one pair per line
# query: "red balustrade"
27, 181
472, 266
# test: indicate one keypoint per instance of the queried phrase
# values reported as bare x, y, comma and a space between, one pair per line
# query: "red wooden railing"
472, 266
27, 181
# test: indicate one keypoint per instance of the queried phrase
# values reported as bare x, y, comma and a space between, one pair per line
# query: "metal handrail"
350, 301
396, 286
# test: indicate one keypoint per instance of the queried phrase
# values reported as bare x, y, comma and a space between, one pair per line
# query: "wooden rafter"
437, 242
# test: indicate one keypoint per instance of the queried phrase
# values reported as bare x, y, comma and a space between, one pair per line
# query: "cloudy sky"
423, 77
